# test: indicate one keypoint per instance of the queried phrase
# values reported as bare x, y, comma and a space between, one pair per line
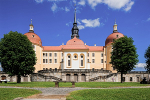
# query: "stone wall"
14, 78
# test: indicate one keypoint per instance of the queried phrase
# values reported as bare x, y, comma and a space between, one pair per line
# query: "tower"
115, 27
31, 27
75, 29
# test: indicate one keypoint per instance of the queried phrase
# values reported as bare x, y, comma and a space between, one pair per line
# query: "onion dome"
114, 35
75, 43
34, 38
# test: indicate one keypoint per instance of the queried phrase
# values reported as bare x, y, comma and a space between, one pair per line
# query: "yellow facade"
74, 55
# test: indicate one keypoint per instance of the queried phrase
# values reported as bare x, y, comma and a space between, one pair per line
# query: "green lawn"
80, 84
11, 93
110, 94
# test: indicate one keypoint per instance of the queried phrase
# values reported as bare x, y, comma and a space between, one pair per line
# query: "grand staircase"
49, 77
45, 77
103, 77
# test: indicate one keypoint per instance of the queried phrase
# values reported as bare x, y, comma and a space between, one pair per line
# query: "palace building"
75, 61
75, 54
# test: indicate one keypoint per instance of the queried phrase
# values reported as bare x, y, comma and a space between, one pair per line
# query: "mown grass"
111, 94
69, 84
11, 93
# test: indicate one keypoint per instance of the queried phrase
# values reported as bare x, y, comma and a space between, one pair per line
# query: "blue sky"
53, 20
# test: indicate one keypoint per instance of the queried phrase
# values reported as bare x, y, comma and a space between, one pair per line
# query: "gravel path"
60, 92
65, 90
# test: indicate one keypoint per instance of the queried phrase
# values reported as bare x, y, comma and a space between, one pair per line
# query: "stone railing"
74, 70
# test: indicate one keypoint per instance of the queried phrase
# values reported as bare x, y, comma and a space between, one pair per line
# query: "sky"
53, 21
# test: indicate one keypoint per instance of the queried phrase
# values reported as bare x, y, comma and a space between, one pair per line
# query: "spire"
31, 27
75, 29
115, 27
115, 22
75, 16
31, 22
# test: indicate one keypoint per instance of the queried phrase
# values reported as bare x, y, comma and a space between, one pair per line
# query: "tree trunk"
121, 77
18, 79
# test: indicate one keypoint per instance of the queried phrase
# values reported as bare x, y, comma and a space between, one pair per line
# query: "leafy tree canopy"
16, 54
147, 56
124, 56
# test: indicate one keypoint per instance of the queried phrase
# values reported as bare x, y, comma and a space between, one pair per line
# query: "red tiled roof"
34, 38
52, 48
95, 48
75, 43
113, 36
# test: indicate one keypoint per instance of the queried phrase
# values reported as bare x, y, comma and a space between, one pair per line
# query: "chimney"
85, 43
94, 44
62, 43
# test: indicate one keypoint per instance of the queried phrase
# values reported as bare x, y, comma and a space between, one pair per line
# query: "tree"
123, 56
147, 56
17, 56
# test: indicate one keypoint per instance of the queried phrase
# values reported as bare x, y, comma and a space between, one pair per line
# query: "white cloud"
39, 1
74, 1
148, 19
82, 2
58, 35
69, 23
94, 3
56, 0
81, 27
67, 9
141, 65
54, 7
128, 7
86, 23
78, 22
114, 4
91, 23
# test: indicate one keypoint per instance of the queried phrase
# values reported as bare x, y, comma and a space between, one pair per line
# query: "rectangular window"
43, 60
50, 60
93, 60
55, 54
88, 55
88, 60
55, 60
62, 54
101, 60
130, 78
68, 62
102, 54
81, 62
50, 54
93, 54
44, 54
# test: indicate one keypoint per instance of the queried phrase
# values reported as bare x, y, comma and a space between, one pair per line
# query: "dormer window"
117, 35
32, 35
